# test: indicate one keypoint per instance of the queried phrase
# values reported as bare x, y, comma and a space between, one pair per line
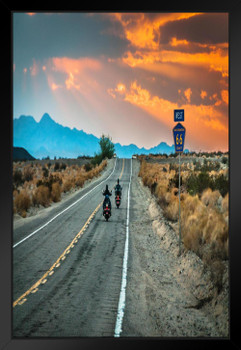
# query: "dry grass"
41, 196
211, 198
56, 192
22, 202
41, 183
204, 216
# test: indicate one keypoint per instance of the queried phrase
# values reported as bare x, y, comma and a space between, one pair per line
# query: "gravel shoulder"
167, 295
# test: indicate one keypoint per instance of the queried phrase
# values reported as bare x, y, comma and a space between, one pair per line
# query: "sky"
124, 74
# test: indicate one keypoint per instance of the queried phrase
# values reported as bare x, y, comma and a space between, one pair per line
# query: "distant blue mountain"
48, 138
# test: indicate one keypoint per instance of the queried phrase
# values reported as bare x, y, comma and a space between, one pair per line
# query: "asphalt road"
67, 275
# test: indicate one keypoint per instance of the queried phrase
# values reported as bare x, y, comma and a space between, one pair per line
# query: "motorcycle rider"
118, 188
106, 193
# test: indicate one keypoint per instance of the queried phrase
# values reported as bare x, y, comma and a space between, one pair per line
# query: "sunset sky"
123, 74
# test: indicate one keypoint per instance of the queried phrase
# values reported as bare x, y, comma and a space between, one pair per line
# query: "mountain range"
48, 138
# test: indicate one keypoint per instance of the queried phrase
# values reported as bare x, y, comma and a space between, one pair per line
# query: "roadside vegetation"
107, 150
204, 203
38, 183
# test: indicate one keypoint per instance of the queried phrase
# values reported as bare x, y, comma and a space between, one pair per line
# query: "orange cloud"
120, 88
187, 94
175, 42
225, 97
70, 82
207, 119
144, 32
213, 61
203, 94
34, 69
54, 86
78, 72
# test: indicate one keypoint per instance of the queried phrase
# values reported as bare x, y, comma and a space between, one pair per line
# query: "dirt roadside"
167, 295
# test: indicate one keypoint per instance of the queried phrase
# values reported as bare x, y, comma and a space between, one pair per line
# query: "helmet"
106, 188
118, 181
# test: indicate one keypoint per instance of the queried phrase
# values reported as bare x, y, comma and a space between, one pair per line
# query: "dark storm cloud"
210, 28
195, 78
68, 34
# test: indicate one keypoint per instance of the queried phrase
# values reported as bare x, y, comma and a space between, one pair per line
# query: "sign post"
179, 137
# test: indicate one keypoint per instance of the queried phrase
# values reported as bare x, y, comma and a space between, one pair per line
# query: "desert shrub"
97, 159
68, 184
102, 165
18, 178
48, 182
153, 187
210, 198
56, 166
56, 192
209, 166
45, 172
62, 166
221, 183
205, 230
41, 196
197, 165
225, 203
174, 182
196, 184
173, 167
224, 160
193, 221
88, 166
27, 174
216, 227
190, 206
162, 196
79, 181
171, 211
22, 202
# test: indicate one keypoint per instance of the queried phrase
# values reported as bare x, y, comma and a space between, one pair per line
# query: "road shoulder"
167, 295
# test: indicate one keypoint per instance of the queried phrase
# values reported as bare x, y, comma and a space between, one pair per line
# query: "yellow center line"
43, 279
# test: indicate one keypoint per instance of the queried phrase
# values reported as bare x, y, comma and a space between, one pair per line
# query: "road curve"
67, 276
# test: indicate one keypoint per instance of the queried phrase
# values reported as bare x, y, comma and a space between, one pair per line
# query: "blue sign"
178, 115
179, 137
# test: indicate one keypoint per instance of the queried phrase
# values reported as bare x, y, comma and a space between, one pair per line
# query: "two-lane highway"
67, 270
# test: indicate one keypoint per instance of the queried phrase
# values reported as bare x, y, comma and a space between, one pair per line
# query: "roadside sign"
179, 137
178, 115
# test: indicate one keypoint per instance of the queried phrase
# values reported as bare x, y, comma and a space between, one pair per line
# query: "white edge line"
78, 200
122, 297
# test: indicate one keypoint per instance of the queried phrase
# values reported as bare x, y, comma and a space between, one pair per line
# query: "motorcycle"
117, 200
107, 212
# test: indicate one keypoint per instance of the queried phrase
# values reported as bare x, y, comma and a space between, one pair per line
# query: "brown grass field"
40, 183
